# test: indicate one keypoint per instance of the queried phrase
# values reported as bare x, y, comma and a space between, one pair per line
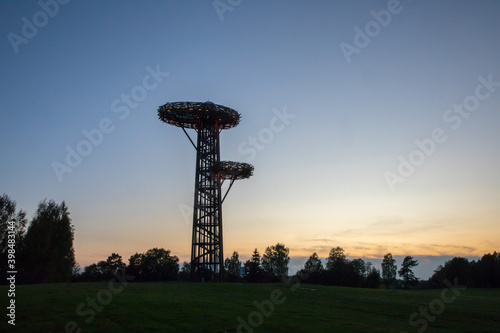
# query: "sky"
372, 125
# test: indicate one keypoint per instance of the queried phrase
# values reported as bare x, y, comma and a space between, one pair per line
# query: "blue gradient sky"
319, 182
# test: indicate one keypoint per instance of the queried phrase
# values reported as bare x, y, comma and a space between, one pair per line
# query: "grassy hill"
185, 307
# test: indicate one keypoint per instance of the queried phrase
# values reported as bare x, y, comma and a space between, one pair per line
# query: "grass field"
185, 307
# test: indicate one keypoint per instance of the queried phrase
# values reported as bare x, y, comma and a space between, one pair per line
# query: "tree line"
483, 273
43, 252
272, 266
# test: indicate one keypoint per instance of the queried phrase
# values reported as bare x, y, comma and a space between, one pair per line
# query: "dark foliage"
48, 254
313, 270
253, 271
389, 270
232, 268
484, 273
103, 270
185, 272
340, 271
275, 261
406, 271
12, 233
154, 265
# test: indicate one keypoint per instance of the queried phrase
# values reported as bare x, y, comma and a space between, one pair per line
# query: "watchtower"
208, 120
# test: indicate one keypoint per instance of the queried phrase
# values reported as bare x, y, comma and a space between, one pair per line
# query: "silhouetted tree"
103, 270
253, 270
313, 265
487, 271
154, 265
337, 270
185, 272
406, 271
373, 277
457, 267
48, 254
336, 258
12, 232
368, 267
114, 263
275, 261
134, 264
389, 269
91, 273
358, 269
76, 272
313, 269
232, 267
159, 265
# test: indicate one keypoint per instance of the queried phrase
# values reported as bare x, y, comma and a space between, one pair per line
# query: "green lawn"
185, 307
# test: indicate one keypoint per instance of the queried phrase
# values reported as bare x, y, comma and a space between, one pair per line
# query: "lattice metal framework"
208, 119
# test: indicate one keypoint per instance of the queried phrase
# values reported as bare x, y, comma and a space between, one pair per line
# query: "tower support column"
207, 251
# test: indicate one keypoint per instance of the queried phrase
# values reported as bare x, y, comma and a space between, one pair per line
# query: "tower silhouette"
208, 120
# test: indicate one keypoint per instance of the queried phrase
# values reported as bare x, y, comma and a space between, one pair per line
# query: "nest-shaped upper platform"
187, 114
233, 170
